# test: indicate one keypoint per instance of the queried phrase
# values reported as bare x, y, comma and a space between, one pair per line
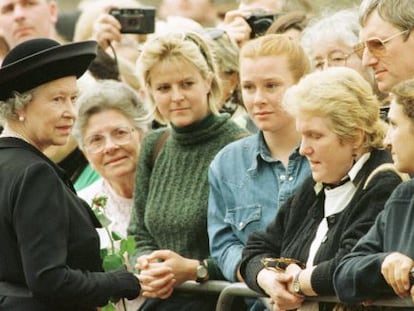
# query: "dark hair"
290, 20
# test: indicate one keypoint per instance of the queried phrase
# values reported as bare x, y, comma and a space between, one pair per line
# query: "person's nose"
109, 144
387, 139
19, 12
177, 94
368, 59
70, 111
259, 97
305, 148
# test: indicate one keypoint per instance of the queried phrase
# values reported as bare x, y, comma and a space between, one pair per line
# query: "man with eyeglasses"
387, 45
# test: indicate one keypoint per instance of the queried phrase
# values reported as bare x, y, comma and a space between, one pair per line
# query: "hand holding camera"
135, 20
114, 22
242, 25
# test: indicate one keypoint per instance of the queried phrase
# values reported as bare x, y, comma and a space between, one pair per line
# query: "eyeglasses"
334, 59
375, 46
119, 136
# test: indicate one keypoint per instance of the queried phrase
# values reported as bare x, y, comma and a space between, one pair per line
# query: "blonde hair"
344, 97
275, 45
178, 47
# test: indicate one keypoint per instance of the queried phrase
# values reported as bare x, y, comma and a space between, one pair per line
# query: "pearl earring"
21, 118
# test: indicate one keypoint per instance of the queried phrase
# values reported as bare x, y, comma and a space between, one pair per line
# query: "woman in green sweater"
171, 188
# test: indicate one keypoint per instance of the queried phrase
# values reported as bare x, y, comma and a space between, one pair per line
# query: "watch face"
296, 287
201, 272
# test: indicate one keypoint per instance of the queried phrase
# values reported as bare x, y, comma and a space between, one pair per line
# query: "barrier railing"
228, 291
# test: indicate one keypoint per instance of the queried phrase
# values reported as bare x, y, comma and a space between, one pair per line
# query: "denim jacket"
247, 187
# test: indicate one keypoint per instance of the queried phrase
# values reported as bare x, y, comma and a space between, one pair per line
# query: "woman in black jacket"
338, 117
50, 258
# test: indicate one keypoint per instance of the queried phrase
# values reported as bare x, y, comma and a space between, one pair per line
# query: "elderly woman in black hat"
50, 258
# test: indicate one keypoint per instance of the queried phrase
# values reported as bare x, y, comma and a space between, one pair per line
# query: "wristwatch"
296, 285
202, 272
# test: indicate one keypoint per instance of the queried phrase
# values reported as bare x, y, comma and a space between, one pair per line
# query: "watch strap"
296, 285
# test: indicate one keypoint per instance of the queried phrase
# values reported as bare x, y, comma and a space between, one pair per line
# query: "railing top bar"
229, 290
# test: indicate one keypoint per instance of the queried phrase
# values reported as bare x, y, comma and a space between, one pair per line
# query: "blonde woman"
171, 189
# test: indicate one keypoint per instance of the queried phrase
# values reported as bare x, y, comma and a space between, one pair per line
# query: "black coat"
49, 243
294, 228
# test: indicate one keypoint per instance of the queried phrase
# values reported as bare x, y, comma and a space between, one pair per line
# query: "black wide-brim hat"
38, 61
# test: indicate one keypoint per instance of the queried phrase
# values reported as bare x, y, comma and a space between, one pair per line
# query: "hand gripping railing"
228, 291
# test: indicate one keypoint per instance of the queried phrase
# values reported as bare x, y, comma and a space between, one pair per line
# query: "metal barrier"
228, 291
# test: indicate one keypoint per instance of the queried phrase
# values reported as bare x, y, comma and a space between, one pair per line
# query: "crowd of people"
269, 143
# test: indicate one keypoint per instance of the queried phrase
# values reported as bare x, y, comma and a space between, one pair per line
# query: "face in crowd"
387, 49
21, 20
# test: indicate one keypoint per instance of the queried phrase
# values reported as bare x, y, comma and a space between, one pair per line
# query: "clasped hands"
161, 271
278, 284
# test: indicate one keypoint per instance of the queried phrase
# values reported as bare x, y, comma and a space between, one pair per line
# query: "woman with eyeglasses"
331, 40
171, 188
111, 123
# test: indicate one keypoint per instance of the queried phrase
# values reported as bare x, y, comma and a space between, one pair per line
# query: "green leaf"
116, 236
128, 245
112, 262
108, 307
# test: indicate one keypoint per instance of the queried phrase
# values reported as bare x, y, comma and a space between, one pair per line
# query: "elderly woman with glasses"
330, 41
112, 121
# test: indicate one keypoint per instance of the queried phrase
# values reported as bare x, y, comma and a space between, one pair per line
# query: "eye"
187, 84
319, 65
163, 88
94, 140
7, 9
272, 85
316, 135
120, 132
247, 86
58, 99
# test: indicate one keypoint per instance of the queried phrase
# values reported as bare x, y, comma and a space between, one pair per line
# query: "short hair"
187, 47
16, 102
342, 25
344, 97
398, 13
290, 20
275, 45
403, 94
105, 95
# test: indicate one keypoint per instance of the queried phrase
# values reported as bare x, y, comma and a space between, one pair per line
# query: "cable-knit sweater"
171, 194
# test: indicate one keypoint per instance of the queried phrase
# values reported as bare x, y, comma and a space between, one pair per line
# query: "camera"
135, 20
259, 22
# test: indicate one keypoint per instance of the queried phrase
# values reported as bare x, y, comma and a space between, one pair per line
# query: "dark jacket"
49, 241
294, 228
358, 276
